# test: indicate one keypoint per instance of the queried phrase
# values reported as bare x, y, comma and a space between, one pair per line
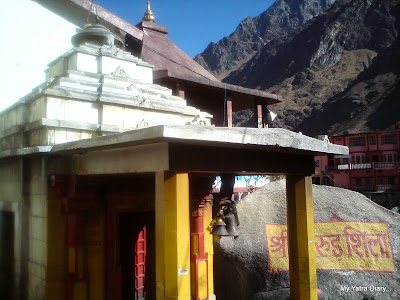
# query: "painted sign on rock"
339, 245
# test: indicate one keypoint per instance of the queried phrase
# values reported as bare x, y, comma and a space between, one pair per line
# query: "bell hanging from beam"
231, 225
219, 228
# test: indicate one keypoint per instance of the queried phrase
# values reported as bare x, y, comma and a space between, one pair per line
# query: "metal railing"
375, 165
383, 187
343, 167
385, 165
361, 166
351, 167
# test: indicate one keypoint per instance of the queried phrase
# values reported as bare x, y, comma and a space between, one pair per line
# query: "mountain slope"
371, 102
282, 18
348, 25
320, 59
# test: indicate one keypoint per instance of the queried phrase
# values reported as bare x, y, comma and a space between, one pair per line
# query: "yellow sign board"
339, 245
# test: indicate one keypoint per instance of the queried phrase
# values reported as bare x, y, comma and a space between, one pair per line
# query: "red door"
140, 264
133, 258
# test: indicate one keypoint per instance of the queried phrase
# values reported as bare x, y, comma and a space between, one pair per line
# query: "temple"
106, 169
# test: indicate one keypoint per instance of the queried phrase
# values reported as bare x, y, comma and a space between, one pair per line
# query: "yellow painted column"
173, 260
302, 257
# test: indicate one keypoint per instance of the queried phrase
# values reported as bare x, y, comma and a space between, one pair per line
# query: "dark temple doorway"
137, 255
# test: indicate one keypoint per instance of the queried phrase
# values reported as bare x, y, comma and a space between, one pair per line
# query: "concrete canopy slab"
197, 149
269, 139
272, 139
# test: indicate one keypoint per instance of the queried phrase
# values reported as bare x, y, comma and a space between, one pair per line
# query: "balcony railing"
375, 165
360, 166
383, 187
343, 167
351, 167
385, 165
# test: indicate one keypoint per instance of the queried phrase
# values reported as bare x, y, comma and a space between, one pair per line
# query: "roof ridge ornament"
148, 15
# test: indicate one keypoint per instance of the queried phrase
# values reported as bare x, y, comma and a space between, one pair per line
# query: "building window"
316, 163
345, 161
372, 140
358, 181
390, 180
368, 181
338, 139
358, 161
381, 180
357, 141
388, 139
390, 158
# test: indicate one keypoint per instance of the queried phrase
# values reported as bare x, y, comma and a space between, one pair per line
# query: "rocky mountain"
334, 72
276, 23
369, 103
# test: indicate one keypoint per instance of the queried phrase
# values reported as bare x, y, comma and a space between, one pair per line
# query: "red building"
372, 165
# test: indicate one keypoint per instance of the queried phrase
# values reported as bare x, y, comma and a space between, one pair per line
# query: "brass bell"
219, 228
231, 226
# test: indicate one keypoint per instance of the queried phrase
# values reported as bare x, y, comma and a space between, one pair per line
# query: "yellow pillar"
302, 257
172, 236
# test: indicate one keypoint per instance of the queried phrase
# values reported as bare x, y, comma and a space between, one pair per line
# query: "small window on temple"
372, 140
390, 180
358, 181
390, 139
338, 139
317, 163
357, 141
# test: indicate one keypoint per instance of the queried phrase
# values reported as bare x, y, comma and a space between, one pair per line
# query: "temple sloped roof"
160, 51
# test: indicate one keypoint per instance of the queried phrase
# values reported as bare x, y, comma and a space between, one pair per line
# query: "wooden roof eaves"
164, 74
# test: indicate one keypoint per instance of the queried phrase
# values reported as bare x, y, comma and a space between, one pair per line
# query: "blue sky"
192, 24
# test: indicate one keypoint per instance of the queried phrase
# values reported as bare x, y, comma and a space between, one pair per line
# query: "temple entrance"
136, 255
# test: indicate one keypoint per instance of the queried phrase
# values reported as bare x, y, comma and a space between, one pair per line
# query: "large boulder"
242, 266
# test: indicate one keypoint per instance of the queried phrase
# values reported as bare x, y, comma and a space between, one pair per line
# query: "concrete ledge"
274, 139
25, 151
270, 139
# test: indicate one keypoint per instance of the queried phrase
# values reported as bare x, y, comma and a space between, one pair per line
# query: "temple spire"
148, 15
